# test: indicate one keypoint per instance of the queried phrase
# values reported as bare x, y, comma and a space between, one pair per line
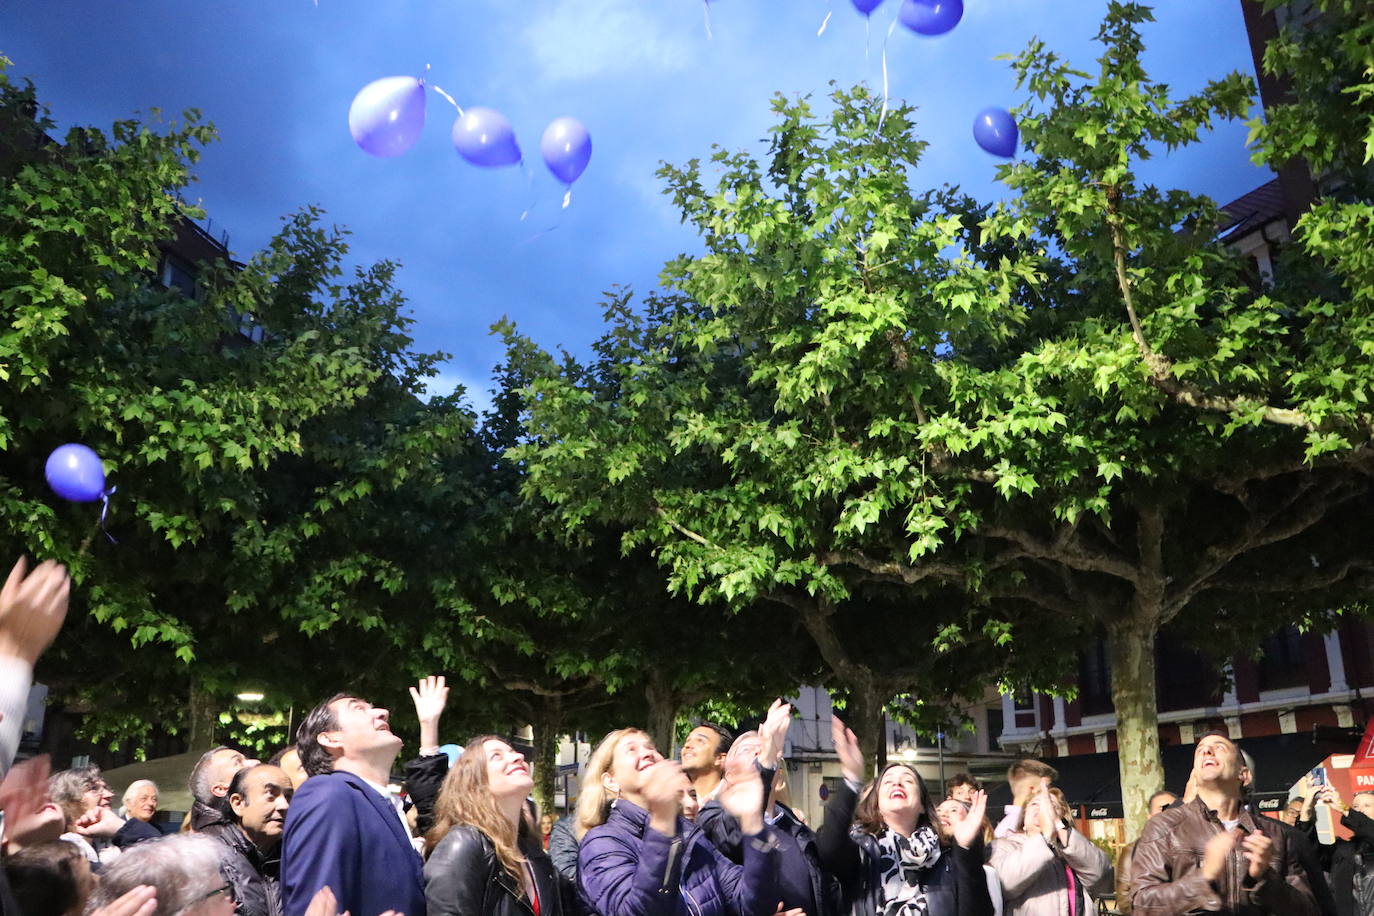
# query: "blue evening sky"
277, 77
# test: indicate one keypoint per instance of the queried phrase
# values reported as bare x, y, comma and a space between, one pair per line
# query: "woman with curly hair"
485, 858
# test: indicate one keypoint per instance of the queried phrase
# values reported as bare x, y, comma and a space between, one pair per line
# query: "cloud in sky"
580, 39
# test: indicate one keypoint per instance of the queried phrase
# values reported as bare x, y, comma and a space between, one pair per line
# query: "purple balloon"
484, 137
567, 148
74, 472
866, 6
931, 17
995, 131
388, 115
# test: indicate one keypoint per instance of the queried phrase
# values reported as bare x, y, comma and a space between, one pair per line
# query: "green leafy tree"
1072, 415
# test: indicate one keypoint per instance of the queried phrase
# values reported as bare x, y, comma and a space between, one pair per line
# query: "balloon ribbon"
105, 511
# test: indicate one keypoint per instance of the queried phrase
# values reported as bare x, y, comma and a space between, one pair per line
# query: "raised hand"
32, 609
1049, 814
141, 901
773, 731
847, 749
796, 911
430, 696
967, 831
743, 798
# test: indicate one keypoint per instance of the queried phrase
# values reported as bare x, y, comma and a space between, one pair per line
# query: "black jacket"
424, 779
955, 885
563, 846
463, 877
1350, 863
801, 880
203, 815
254, 876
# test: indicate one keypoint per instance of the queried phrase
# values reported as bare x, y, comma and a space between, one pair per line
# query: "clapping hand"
847, 749
966, 832
99, 822
32, 609
141, 901
773, 733
743, 798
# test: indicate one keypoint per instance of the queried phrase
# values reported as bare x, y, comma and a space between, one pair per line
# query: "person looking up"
345, 829
485, 859
1022, 776
209, 783
1211, 854
1047, 867
891, 862
639, 856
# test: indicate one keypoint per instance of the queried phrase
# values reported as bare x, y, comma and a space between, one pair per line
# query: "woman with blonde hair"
639, 856
1047, 868
485, 859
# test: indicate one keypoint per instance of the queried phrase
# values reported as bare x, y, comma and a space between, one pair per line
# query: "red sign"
1364, 756
1362, 779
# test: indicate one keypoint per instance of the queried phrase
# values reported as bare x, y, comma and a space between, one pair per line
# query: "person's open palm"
968, 829
847, 749
32, 608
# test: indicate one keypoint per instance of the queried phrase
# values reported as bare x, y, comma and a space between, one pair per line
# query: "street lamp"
251, 696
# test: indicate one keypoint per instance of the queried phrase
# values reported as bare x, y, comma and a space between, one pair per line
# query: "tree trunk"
864, 714
663, 707
202, 716
546, 734
1131, 644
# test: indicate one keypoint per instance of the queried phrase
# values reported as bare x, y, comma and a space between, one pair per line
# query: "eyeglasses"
226, 889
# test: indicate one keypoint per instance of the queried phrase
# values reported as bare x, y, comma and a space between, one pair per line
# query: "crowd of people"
317, 830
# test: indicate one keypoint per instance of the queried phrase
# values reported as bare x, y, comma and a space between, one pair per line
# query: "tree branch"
1066, 553
1161, 367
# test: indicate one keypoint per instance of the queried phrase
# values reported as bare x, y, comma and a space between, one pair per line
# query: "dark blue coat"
801, 880
340, 832
624, 868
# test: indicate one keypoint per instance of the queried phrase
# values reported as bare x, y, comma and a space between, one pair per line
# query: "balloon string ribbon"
883, 117
706, 11
105, 511
450, 99
826, 22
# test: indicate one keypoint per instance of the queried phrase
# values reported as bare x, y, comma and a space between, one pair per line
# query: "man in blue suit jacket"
344, 830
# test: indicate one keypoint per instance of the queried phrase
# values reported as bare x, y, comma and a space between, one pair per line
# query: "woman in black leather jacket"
485, 859
891, 862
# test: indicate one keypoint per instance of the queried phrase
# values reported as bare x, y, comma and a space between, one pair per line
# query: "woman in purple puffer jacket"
639, 857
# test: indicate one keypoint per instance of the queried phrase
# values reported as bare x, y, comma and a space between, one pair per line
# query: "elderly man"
345, 830
210, 780
91, 823
1212, 855
256, 806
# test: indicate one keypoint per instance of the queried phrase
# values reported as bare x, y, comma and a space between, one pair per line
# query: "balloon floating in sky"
484, 137
995, 131
567, 148
931, 17
388, 115
866, 6
75, 473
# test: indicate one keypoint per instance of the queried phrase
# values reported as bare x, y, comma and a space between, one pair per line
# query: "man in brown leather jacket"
1158, 803
1211, 856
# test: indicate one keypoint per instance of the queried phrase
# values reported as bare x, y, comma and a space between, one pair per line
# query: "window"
1095, 681
1184, 677
1281, 664
995, 726
177, 274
